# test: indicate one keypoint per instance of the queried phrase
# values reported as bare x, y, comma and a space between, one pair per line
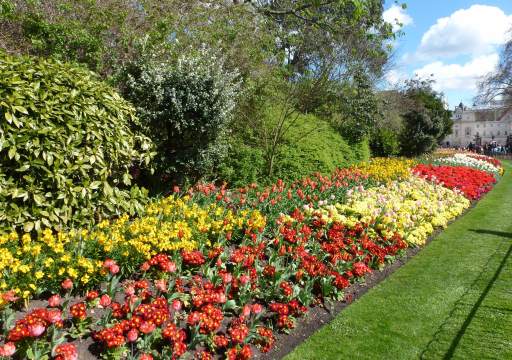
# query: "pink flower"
36, 329
246, 311
132, 335
105, 300
221, 298
54, 315
8, 349
146, 357
244, 279
129, 290
114, 269
257, 308
108, 263
132, 300
146, 327
54, 300
161, 285
226, 278
9, 296
176, 305
67, 284
169, 266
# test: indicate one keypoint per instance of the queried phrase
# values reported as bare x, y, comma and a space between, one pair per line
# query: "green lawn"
452, 300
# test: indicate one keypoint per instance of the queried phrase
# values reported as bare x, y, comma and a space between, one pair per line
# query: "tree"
427, 122
498, 84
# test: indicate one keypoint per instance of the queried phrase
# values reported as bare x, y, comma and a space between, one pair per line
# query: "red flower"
91, 295
105, 300
67, 284
78, 311
66, 352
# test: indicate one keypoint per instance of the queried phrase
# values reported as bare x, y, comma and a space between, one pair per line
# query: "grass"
451, 301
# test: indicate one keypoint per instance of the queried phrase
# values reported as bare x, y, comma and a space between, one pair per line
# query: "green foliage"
385, 142
427, 122
184, 107
66, 147
311, 145
69, 40
358, 108
243, 165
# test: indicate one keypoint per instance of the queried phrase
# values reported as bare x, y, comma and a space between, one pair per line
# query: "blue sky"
456, 41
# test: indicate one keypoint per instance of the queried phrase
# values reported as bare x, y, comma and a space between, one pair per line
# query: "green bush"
385, 142
311, 145
66, 147
184, 107
243, 165
314, 145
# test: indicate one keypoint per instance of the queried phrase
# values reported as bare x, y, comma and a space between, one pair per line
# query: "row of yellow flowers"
387, 169
32, 266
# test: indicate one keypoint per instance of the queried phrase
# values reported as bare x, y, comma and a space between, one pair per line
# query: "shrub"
314, 145
243, 165
184, 106
385, 142
65, 146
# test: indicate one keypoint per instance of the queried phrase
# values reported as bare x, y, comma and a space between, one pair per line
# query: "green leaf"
11, 153
21, 109
23, 168
28, 226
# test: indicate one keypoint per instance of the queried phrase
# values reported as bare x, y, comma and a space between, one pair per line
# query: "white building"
492, 123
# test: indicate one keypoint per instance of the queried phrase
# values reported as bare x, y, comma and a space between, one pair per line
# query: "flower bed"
31, 267
217, 272
479, 162
387, 169
282, 196
471, 182
411, 208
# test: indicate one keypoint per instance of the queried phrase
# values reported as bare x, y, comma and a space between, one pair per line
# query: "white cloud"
395, 76
474, 31
459, 76
396, 15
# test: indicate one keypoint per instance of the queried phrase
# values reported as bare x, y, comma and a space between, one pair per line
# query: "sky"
457, 42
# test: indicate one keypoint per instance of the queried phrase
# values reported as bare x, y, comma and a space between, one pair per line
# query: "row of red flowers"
472, 183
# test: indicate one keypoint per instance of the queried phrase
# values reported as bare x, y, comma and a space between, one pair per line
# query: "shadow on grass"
449, 335
492, 232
